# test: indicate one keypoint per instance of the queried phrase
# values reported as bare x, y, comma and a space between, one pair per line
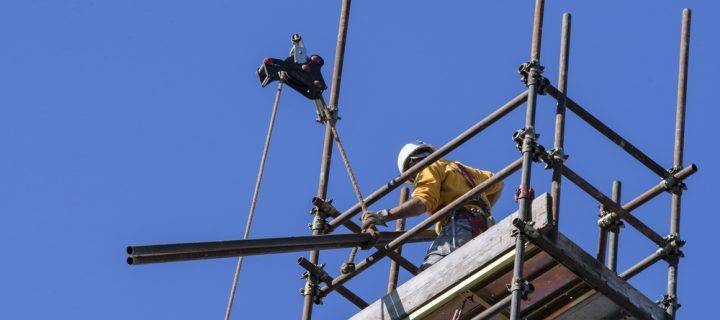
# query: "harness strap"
480, 199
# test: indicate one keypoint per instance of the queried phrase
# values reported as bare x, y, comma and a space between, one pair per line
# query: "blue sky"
141, 122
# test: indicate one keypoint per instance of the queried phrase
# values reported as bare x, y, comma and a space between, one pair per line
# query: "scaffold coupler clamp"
347, 267
524, 227
303, 73
554, 156
531, 74
325, 207
524, 192
329, 113
668, 300
608, 219
319, 222
674, 245
312, 286
673, 184
525, 287
526, 141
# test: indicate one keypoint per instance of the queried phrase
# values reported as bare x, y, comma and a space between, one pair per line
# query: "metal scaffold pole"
559, 141
328, 145
614, 230
670, 298
399, 226
525, 194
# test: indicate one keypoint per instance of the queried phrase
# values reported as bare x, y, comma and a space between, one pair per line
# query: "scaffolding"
524, 252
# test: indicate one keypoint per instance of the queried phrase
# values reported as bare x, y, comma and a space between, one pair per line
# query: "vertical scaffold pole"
673, 259
559, 141
614, 230
602, 240
399, 226
528, 147
328, 142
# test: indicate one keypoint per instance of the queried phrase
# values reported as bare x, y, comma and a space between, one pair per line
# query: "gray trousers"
453, 235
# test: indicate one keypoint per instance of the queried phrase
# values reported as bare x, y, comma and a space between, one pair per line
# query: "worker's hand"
370, 219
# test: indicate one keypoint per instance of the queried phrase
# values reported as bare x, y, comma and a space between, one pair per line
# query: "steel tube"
399, 226
528, 148
537, 30
682, 88
613, 206
607, 132
327, 140
435, 217
233, 248
439, 153
656, 256
676, 203
559, 139
614, 231
602, 245
494, 309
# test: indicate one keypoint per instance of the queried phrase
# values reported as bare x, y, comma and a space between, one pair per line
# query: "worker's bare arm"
411, 208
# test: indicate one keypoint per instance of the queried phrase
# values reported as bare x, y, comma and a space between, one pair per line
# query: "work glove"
370, 219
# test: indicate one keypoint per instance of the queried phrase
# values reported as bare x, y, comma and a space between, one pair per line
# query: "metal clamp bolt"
674, 243
311, 287
609, 219
554, 156
524, 286
347, 267
668, 300
674, 239
524, 227
524, 192
530, 72
672, 184
530, 230
319, 222
328, 113
526, 141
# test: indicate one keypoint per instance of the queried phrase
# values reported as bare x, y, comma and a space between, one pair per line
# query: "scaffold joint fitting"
524, 192
531, 74
525, 287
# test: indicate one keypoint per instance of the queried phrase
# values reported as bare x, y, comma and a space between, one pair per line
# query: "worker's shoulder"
449, 165
472, 169
443, 164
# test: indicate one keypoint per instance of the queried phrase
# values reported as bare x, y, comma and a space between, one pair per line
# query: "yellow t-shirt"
442, 182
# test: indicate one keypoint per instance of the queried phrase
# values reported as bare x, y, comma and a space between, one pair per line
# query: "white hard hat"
411, 150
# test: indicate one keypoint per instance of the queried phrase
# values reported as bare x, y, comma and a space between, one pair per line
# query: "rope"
353, 181
256, 191
348, 168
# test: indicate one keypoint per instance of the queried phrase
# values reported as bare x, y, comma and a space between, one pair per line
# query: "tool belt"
479, 222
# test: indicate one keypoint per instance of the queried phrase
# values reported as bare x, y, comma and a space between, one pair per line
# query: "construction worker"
434, 187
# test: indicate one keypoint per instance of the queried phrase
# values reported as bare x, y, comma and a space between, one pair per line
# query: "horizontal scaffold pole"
236, 248
606, 131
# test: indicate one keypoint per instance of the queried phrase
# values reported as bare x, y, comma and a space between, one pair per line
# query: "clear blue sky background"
141, 122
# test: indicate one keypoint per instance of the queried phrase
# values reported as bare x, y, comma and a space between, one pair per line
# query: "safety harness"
480, 221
